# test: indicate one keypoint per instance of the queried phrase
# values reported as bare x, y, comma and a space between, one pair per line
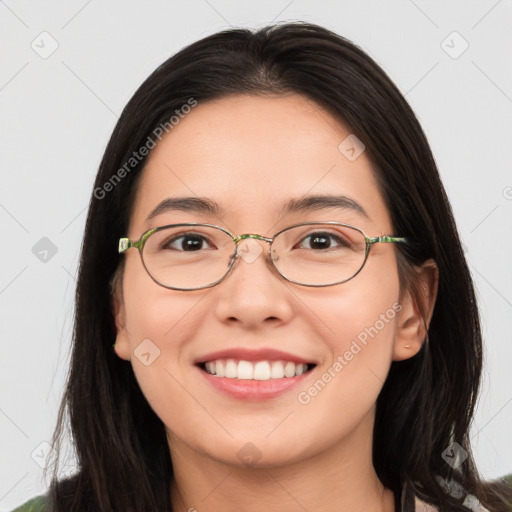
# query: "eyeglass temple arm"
376, 239
126, 243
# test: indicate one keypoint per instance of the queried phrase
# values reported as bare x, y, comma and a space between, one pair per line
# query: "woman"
330, 358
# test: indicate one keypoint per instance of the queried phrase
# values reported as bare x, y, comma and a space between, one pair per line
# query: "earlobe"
417, 309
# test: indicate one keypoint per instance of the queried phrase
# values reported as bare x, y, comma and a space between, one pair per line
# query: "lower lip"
255, 390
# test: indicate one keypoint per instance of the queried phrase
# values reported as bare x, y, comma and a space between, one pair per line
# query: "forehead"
251, 155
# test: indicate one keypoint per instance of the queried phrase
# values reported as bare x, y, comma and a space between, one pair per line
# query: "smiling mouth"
255, 370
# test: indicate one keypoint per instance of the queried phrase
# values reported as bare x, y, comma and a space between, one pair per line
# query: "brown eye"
189, 242
324, 240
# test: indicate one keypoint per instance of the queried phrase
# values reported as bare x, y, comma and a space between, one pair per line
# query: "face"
251, 155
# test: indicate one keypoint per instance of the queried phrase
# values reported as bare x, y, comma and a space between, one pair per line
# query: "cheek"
159, 331
362, 309
159, 323
367, 322
364, 320
154, 312
165, 320
360, 322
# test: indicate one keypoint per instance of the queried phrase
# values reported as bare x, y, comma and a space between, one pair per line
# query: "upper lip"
247, 354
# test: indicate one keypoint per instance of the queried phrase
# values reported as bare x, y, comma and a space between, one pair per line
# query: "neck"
341, 477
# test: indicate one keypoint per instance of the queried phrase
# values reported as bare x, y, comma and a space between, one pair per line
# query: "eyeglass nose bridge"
240, 238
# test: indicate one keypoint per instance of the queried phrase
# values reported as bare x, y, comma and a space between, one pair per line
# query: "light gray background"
58, 112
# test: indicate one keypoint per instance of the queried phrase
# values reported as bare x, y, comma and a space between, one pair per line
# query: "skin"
251, 154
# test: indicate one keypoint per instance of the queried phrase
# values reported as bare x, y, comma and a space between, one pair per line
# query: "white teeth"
245, 370
220, 370
289, 370
277, 371
260, 370
230, 370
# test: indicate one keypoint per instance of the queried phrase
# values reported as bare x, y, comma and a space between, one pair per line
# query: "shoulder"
37, 504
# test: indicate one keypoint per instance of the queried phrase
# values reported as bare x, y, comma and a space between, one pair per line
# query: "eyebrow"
301, 205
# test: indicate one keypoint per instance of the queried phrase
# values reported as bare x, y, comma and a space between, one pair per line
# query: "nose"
253, 292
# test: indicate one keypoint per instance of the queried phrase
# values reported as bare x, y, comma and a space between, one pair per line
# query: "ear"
122, 345
417, 309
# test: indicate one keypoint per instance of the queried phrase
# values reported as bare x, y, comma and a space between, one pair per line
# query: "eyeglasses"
193, 256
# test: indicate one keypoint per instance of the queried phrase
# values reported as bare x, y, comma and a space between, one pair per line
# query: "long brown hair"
427, 402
